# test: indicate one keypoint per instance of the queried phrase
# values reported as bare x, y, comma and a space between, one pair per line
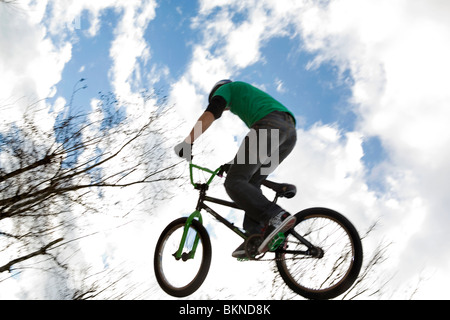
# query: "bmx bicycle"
319, 258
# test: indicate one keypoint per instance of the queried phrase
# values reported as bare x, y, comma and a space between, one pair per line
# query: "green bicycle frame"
179, 253
203, 187
213, 174
196, 214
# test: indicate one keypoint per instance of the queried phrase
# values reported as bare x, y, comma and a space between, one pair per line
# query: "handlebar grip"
224, 169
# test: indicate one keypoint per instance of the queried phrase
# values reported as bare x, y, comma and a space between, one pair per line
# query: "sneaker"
239, 252
281, 222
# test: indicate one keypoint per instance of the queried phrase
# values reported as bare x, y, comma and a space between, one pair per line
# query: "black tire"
178, 267
313, 277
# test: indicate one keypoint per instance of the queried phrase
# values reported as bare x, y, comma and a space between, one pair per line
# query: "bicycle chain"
265, 260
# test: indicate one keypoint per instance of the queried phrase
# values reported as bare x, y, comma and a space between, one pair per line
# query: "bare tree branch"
50, 181
41, 251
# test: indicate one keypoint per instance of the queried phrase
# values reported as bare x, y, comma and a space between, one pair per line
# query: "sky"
368, 82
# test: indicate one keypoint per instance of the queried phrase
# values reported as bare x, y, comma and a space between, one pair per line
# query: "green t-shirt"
249, 103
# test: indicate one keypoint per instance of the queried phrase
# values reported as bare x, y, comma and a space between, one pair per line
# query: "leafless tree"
8, 1
49, 180
372, 282
12, 6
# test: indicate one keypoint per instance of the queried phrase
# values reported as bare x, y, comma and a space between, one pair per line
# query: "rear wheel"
182, 276
331, 266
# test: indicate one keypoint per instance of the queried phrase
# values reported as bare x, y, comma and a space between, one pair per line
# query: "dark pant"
268, 143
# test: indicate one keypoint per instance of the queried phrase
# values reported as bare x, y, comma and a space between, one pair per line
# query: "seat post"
276, 198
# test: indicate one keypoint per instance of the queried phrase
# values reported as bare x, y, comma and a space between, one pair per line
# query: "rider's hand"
184, 150
224, 169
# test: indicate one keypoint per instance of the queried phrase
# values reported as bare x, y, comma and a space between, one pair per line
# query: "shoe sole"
239, 254
283, 227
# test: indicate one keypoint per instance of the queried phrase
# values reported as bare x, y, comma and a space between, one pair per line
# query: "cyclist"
273, 131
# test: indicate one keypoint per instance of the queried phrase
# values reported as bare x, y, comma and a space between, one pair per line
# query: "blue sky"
367, 81
315, 95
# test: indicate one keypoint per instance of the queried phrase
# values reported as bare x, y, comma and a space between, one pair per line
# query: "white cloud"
34, 53
129, 49
399, 67
65, 16
397, 55
30, 63
206, 69
129, 46
186, 99
280, 86
234, 35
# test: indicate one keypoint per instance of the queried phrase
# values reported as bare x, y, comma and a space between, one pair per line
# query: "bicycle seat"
282, 189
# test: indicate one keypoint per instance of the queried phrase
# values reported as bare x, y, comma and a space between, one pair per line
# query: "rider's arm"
203, 123
213, 112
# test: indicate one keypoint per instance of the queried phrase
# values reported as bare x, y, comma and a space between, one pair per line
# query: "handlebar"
218, 172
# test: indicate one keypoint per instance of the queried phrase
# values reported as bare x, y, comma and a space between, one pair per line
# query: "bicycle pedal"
276, 241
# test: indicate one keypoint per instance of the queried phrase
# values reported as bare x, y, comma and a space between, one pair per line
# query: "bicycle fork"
190, 255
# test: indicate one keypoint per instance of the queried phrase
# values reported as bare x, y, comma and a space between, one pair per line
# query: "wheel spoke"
328, 271
182, 276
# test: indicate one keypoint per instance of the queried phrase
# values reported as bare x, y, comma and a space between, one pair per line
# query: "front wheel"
181, 276
322, 255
